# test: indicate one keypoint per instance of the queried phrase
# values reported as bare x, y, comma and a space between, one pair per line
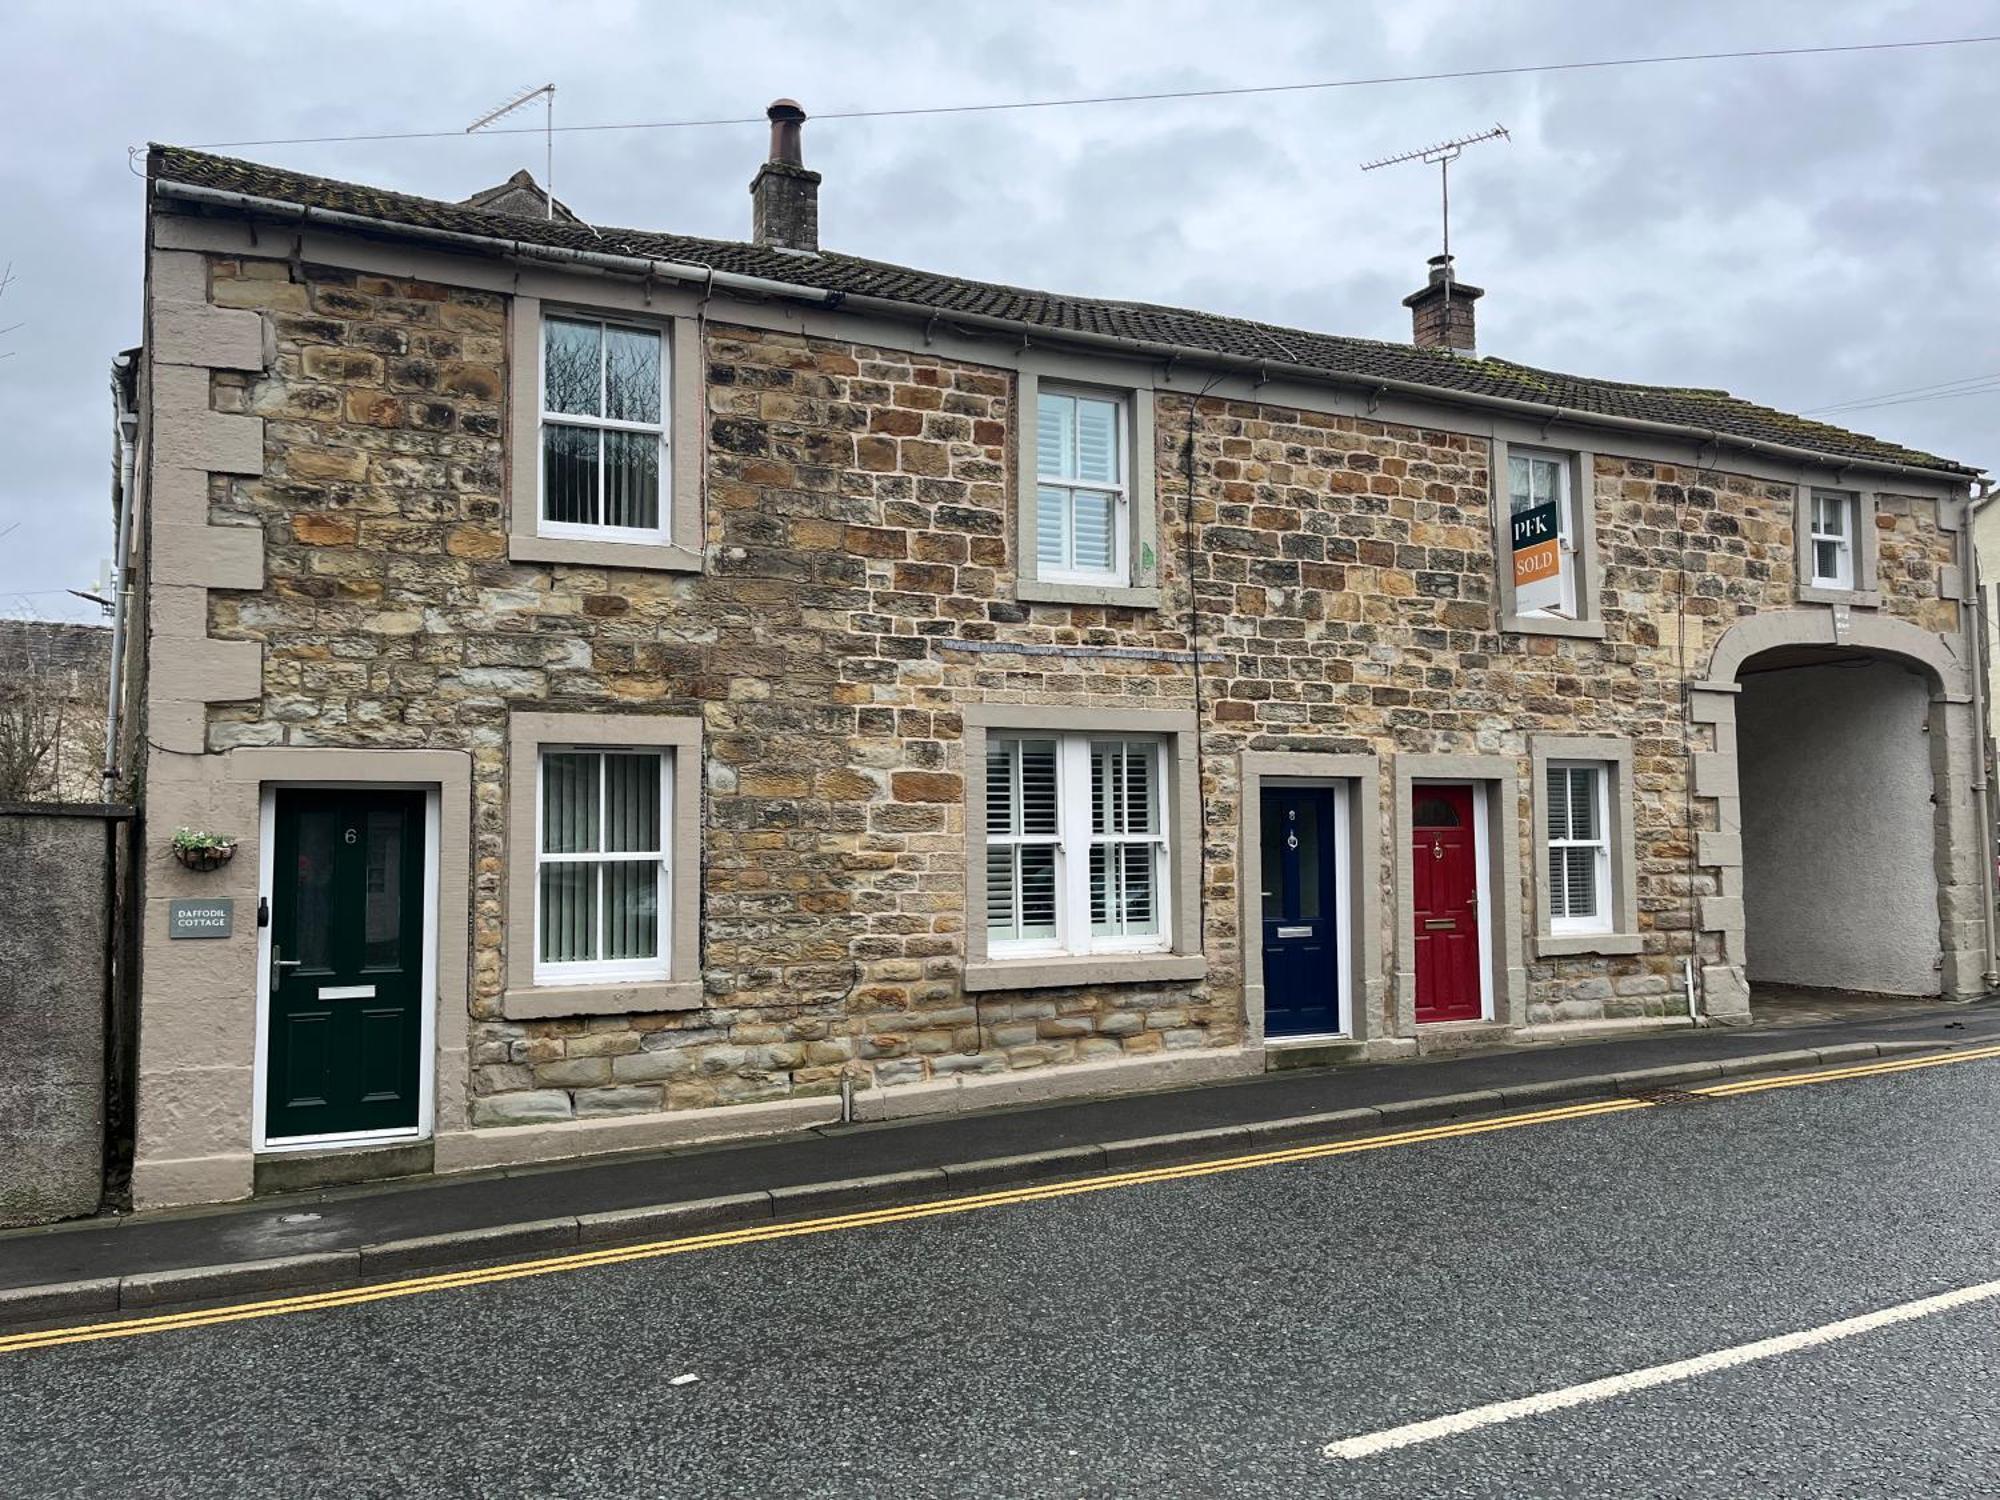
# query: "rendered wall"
1840, 886
52, 950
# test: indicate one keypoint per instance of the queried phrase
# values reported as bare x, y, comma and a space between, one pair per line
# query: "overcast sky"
1801, 231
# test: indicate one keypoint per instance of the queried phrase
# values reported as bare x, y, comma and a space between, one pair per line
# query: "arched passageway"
1836, 832
1840, 837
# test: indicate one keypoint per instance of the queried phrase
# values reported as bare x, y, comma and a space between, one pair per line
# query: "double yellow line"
875, 1218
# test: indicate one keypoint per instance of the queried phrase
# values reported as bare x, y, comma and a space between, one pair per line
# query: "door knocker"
1292, 836
1437, 848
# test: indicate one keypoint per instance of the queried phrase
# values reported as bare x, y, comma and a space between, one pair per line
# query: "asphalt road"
1204, 1336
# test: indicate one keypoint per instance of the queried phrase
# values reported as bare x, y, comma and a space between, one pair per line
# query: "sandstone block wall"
858, 593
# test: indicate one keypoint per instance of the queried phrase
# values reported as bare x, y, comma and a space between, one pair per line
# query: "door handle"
279, 965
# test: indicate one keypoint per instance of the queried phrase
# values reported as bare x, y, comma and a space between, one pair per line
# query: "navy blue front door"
1301, 946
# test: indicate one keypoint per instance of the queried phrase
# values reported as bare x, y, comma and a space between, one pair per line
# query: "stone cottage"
665, 689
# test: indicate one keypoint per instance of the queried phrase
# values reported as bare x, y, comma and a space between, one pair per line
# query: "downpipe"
1976, 625
128, 442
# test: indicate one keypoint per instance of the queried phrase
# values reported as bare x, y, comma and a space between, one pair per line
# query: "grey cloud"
1799, 231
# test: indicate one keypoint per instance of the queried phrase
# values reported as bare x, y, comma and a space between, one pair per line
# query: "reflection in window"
1436, 812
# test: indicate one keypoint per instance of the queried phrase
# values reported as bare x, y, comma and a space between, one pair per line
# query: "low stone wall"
55, 890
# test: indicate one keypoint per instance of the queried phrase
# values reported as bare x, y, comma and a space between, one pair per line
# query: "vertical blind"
603, 865
602, 426
1576, 842
1079, 473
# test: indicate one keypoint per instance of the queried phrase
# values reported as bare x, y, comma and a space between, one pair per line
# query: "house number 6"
351, 835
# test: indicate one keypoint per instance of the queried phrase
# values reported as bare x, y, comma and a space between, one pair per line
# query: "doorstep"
339, 1235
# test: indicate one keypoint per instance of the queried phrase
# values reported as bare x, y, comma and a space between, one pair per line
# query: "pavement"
342, 1235
1204, 1334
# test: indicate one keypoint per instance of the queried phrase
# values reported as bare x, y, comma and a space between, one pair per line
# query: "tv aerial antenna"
547, 94
1443, 154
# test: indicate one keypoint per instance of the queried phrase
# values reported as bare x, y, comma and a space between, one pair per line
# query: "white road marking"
1591, 1391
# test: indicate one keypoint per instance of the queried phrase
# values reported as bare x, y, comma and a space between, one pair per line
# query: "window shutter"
1574, 871
1055, 421
1096, 530
1558, 802
1582, 803
1097, 441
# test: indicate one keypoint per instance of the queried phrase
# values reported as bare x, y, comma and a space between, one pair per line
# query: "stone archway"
1953, 748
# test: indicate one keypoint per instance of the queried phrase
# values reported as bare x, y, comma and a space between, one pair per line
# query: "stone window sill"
546, 1001
1570, 944
1582, 630
664, 557
1034, 591
1859, 598
1107, 968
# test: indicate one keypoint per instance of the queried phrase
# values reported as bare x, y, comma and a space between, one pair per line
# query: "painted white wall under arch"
1839, 832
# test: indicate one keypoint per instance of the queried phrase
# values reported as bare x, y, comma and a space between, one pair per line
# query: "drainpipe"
1975, 624
128, 441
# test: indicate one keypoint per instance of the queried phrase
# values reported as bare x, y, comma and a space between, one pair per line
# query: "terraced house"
664, 688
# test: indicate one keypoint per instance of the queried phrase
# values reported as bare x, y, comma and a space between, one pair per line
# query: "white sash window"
604, 435
1534, 480
1082, 520
1579, 847
1076, 845
1832, 539
602, 879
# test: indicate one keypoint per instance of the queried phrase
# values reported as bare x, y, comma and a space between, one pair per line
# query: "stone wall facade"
857, 594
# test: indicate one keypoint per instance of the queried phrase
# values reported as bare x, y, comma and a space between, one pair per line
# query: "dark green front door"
347, 963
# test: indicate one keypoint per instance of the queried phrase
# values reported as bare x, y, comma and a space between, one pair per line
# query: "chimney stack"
1441, 313
784, 195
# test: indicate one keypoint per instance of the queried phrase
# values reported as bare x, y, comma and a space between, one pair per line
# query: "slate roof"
1351, 358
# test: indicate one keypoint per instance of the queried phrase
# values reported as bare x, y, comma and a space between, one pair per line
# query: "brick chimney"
784, 195
1441, 313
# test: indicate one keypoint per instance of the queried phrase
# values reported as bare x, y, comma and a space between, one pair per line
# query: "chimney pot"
784, 195
787, 120
1441, 311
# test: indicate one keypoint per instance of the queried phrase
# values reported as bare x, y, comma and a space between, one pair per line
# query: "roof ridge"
1317, 352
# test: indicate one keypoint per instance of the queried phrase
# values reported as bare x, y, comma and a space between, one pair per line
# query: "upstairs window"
1579, 848
601, 893
1082, 519
1076, 845
603, 431
1832, 539
1543, 512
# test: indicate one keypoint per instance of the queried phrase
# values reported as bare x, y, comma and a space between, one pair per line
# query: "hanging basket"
204, 857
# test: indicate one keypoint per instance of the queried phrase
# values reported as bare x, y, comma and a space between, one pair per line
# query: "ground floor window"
1579, 848
603, 881
1076, 844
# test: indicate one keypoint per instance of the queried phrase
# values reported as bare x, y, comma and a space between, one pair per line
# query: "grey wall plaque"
214, 918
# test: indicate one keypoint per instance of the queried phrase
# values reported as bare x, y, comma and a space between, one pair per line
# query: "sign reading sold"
1537, 559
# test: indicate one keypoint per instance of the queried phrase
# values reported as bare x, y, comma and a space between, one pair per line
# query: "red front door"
1444, 882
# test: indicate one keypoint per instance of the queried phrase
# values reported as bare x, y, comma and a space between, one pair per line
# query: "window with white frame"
1076, 844
1579, 845
1535, 480
1832, 539
602, 879
604, 432
1082, 520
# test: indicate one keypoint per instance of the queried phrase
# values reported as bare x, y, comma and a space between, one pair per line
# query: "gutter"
761, 286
